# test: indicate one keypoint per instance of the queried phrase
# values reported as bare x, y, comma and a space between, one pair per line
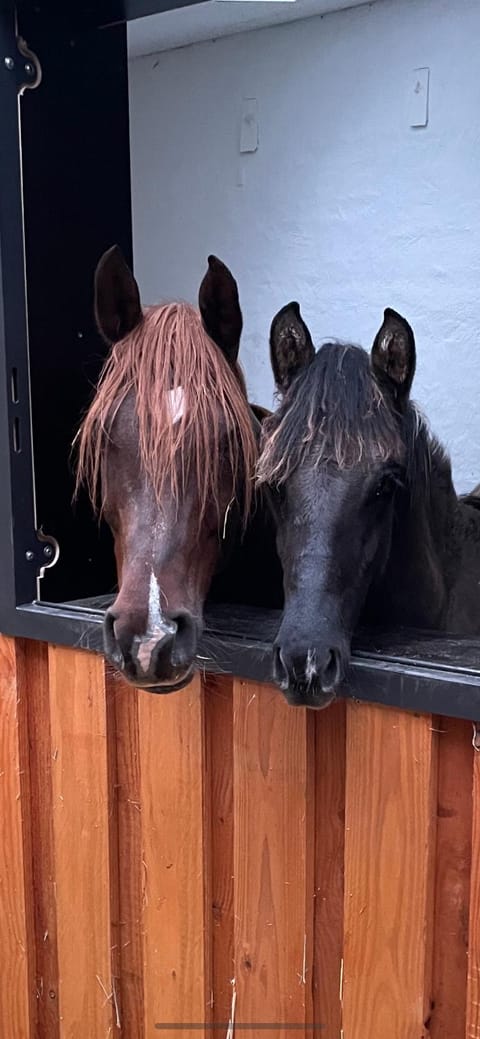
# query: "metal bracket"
44, 553
25, 66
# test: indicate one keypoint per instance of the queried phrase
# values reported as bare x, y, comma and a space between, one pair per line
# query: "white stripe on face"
176, 400
155, 619
158, 627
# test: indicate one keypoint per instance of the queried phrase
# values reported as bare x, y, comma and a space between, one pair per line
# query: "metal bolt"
29, 556
9, 63
29, 68
48, 551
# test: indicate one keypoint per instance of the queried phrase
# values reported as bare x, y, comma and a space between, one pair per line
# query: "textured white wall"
344, 206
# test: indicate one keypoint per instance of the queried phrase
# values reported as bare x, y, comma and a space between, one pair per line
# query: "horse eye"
385, 486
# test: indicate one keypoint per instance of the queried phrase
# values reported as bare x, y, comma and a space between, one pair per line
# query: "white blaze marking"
156, 626
176, 401
311, 665
155, 618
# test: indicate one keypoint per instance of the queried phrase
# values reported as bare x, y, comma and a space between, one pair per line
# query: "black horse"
370, 528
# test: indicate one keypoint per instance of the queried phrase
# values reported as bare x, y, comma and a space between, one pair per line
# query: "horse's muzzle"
159, 661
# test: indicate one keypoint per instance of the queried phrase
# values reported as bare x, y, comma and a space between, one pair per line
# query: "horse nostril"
280, 670
113, 646
185, 644
108, 623
332, 670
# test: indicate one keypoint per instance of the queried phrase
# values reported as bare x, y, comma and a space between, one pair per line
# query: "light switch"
249, 125
418, 97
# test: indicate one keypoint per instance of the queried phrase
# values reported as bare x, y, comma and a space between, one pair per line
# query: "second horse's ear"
220, 308
291, 347
393, 355
117, 299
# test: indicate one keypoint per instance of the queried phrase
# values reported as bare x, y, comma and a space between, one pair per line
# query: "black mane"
336, 412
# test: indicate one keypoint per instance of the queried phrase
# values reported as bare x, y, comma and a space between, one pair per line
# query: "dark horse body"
171, 442
370, 529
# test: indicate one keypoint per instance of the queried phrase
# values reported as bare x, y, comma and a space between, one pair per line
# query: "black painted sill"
425, 672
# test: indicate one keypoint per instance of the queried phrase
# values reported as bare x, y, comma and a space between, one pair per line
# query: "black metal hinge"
24, 65
43, 552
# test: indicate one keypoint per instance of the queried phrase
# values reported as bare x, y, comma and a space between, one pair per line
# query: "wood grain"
330, 737
219, 726
473, 984
273, 860
452, 879
34, 685
175, 940
81, 823
17, 1010
389, 848
125, 829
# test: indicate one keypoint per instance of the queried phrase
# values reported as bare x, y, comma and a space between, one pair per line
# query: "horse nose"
133, 653
307, 675
148, 657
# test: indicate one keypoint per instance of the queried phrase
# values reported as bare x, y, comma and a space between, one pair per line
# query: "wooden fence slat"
389, 847
452, 879
219, 724
273, 860
473, 985
175, 939
17, 1011
330, 737
81, 823
126, 846
33, 681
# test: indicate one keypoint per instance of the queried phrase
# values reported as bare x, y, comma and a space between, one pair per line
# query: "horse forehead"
321, 488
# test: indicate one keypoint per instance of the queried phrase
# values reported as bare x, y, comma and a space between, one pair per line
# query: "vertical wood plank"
17, 1012
175, 845
330, 737
452, 879
34, 684
473, 985
219, 726
81, 823
273, 861
389, 852
127, 905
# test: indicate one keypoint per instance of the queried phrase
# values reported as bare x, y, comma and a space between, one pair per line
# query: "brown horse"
170, 444
370, 529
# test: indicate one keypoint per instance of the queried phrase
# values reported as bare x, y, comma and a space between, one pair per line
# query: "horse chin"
170, 686
317, 700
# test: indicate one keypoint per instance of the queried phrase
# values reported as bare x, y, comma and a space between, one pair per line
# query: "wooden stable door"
217, 863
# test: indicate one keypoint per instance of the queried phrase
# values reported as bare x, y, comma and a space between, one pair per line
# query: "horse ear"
291, 347
393, 354
220, 308
117, 299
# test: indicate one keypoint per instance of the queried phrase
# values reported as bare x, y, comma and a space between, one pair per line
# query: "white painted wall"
344, 206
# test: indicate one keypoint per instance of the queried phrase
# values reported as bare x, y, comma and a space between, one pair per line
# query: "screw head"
29, 68
29, 556
9, 63
48, 551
